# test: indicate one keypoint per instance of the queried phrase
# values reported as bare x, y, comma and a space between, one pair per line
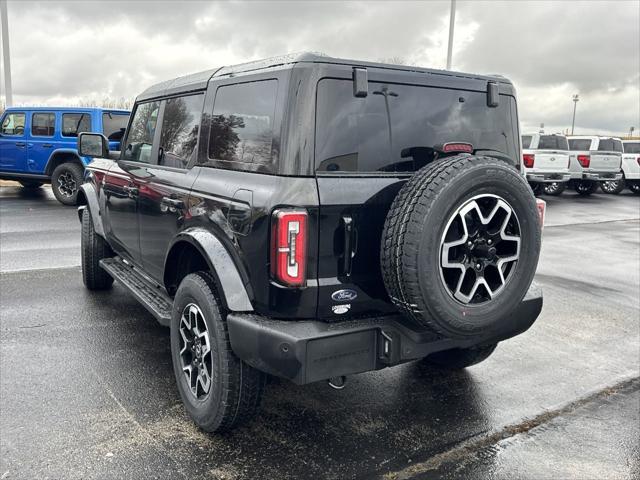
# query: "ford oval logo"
344, 295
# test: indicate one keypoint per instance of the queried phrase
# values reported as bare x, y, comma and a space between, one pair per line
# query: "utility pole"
576, 99
452, 23
5, 52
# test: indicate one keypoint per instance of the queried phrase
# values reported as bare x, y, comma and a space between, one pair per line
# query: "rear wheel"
66, 181
585, 187
30, 185
460, 245
613, 187
537, 188
219, 391
94, 248
458, 358
555, 188
634, 187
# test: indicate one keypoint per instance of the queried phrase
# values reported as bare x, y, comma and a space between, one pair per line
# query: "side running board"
147, 292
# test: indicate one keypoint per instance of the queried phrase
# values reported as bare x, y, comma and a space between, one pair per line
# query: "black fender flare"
89, 193
230, 284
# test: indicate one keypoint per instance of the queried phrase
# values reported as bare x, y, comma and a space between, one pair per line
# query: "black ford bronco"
311, 218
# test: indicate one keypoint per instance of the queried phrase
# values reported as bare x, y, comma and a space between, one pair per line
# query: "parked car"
630, 170
311, 218
38, 145
593, 160
546, 162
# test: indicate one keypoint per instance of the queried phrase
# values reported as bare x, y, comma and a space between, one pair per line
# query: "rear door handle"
47, 145
20, 144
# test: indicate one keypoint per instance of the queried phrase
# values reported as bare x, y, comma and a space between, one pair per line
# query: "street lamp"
631, 131
576, 99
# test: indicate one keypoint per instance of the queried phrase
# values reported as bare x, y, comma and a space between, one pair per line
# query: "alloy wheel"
479, 250
67, 185
195, 351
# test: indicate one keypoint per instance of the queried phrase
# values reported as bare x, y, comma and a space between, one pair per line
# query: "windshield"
631, 147
396, 128
553, 142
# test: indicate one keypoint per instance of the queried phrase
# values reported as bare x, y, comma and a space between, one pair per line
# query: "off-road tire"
236, 388
612, 187
459, 358
585, 187
94, 248
411, 243
30, 185
555, 188
76, 173
537, 188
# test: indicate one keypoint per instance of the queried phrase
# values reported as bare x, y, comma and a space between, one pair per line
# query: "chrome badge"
344, 295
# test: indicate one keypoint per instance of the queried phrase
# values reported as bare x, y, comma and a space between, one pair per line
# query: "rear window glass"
579, 144
526, 141
609, 145
242, 122
43, 124
114, 124
75, 123
396, 127
632, 147
554, 142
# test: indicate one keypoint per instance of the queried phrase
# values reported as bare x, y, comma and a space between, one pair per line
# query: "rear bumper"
309, 351
548, 177
601, 176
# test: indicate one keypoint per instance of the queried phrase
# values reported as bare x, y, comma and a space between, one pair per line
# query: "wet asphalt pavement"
87, 389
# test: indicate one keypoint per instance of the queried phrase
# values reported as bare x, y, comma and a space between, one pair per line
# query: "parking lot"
87, 389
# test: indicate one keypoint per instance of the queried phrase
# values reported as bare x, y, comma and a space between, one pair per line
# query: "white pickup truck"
594, 159
630, 170
546, 162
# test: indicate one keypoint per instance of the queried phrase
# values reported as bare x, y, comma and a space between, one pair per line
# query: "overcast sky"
63, 52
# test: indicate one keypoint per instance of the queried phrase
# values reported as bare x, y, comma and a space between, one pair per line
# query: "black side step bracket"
151, 295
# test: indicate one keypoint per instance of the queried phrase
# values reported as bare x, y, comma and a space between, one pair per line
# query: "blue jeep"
38, 145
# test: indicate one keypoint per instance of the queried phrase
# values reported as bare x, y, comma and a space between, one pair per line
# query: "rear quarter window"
395, 128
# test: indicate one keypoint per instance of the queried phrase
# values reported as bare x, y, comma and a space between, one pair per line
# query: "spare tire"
460, 245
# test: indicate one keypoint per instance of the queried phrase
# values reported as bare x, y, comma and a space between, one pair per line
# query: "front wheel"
555, 188
66, 181
458, 358
585, 187
613, 187
635, 187
94, 248
219, 391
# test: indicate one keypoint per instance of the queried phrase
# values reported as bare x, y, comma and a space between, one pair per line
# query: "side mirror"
93, 145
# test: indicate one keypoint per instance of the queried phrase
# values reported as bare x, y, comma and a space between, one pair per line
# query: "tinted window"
42, 124
13, 124
609, 145
180, 126
579, 144
526, 141
114, 124
396, 127
242, 122
75, 123
553, 142
143, 128
632, 147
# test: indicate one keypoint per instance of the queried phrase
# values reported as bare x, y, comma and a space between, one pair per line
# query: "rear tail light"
528, 159
584, 160
542, 207
289, 247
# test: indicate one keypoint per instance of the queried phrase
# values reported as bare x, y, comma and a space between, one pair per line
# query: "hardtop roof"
198, 81
69, 109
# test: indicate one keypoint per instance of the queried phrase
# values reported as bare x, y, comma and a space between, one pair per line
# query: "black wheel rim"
582, 187
479, 249
67, 185
195, 351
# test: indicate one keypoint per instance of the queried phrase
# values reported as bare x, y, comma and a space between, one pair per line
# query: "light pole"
576, 99
452, 23
631, 131
5, 52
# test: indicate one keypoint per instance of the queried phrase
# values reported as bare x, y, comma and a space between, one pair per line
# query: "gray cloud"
63, 51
